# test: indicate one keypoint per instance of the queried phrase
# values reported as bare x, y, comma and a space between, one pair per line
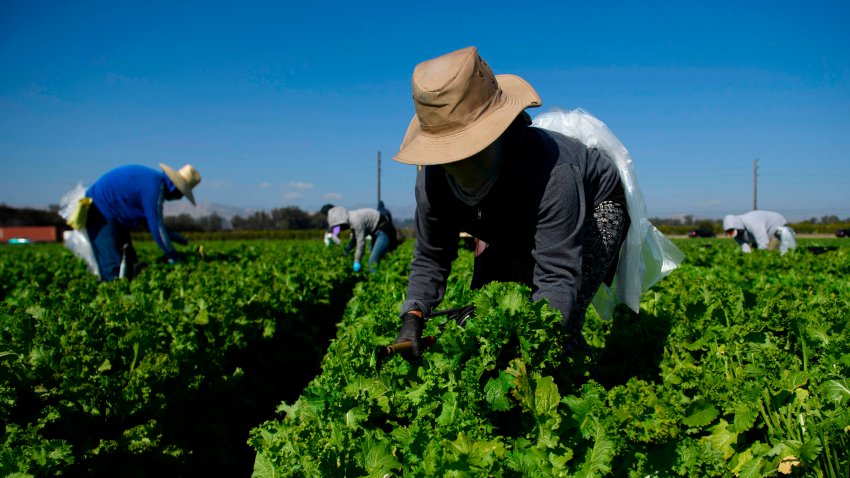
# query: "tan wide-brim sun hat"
185, 179
461, 108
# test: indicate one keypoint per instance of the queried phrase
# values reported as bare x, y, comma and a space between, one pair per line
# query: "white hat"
187, 178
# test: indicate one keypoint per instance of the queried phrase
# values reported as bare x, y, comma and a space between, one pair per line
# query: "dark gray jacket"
548, 185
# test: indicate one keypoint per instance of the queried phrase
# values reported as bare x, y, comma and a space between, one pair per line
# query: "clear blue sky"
288, 103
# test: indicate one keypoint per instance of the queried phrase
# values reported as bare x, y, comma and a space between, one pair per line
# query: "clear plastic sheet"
787, 239
647, 256
77, 241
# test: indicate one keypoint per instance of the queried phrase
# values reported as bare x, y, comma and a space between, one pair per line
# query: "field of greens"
261, 356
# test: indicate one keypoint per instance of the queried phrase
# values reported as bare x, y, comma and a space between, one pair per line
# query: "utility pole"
379, 177
755, 184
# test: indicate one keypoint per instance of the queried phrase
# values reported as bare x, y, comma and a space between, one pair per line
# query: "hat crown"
190, 175
461, 108
185, 179
451, 92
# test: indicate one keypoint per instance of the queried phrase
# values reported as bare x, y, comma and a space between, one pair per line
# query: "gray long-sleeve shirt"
362, 222
548, 185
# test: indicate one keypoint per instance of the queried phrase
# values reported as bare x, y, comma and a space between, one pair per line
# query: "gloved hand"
357, 267
411, 330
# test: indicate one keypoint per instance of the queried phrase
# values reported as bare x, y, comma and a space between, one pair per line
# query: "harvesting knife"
459, 315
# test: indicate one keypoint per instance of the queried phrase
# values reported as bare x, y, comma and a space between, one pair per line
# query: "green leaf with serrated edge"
836, 391
377, 458
449, 409
496, 389
700, 413
202, 318
354, 417
809, 450
263, 467
745, 417
416, 395
722, 439
753, 468
546, 396
598, 461
512, 301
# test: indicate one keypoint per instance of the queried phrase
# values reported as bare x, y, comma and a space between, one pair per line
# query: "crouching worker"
125, 198
550, 212
365, 222
760, 230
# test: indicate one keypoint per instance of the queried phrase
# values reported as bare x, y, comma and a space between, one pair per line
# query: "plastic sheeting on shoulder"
647, 256
77, 240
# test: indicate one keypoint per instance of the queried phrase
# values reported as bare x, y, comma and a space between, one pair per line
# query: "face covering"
471, 197
474, 196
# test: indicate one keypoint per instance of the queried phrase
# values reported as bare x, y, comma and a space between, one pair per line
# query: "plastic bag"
77, 240
787, 239
646, 256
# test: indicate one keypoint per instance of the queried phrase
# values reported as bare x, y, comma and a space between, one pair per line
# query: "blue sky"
282, 104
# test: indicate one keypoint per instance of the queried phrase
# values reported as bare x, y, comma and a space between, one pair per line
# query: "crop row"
163, 375
736, 365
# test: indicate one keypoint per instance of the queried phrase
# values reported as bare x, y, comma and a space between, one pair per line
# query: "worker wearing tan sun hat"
121, 200
461, 107
547, 210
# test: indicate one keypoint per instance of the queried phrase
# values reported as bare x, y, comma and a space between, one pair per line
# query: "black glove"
411, 330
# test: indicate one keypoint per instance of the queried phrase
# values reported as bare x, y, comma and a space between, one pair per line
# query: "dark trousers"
108, 239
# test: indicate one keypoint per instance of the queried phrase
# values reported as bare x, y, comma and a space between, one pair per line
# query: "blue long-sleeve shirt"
129, 194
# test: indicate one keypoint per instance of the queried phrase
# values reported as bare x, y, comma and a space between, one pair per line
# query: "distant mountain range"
176, 208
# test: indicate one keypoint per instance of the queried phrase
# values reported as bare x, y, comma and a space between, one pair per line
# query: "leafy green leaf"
836, 391
263, 467
700, 413
496, 390
722, 439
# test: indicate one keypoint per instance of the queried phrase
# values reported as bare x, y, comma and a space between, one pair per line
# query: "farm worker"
547, 210
365, 222
760, 230
126, 197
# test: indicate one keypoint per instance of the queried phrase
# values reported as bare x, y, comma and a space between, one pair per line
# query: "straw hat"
186, 179
461, 107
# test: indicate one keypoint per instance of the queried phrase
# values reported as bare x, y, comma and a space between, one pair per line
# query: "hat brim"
179, 182
425, 149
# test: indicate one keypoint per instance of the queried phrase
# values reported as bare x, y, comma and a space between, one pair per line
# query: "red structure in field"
32, 233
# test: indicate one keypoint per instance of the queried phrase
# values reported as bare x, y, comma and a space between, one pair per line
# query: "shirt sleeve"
358, 231
436, 248
558, 241
152, 205
759, 232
